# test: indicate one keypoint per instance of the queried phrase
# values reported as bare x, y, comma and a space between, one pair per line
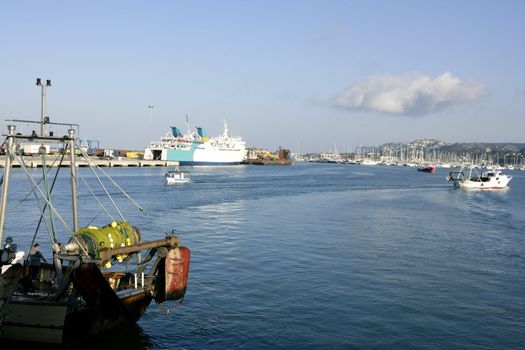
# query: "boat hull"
172, 181
57, 323
35, 322
475, 185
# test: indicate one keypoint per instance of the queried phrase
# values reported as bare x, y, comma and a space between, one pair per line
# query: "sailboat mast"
7, 171
74, 199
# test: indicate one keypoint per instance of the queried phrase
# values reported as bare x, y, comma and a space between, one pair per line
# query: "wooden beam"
169, 241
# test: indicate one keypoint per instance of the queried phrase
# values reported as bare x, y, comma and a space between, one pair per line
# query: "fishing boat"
99, 278
487, 180
196, 148
177, 177
427, 168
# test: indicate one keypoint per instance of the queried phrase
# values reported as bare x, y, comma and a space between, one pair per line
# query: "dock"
54, 161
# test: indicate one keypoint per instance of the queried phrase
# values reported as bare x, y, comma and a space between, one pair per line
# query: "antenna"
225, 132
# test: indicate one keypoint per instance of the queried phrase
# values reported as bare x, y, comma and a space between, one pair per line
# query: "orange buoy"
177, 268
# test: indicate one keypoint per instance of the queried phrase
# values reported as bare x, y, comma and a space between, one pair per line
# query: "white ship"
195, 148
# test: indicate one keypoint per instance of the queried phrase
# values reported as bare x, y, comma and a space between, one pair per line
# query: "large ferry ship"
195, 148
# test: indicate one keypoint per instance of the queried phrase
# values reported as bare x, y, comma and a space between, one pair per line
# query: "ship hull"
201, 154
192, 163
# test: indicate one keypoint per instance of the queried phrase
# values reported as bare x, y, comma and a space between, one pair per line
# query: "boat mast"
74, 199
225, 132
7, 171
188, 124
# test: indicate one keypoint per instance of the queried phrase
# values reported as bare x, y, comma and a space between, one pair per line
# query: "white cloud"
410, 94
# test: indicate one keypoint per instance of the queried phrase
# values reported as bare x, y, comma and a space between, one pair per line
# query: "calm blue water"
323, 256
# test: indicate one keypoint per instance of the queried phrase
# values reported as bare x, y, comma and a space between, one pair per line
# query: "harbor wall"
54, 161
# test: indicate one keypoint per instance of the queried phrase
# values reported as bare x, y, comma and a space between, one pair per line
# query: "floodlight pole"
150, 120
43, 103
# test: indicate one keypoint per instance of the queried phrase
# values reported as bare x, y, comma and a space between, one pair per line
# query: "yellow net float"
114, 235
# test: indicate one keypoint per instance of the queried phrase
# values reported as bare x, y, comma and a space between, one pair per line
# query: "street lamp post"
150, 120
43, 118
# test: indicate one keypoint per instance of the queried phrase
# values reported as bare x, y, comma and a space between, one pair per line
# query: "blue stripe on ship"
181, 155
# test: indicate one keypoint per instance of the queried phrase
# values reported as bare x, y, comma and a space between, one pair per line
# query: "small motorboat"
488, 180
427, 168
177, 177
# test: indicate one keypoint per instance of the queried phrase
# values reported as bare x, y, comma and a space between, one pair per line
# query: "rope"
42, 212
39, 181
94, 217
102, 185
96, 198
45, 207
167, 311
113, 182
48, 192
52, 207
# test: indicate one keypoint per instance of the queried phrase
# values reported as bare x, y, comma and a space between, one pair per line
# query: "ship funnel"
201, 132
175, 131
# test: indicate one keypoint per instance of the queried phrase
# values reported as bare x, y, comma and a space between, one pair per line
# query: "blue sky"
283, 73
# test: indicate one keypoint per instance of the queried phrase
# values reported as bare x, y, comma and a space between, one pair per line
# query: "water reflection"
131, 337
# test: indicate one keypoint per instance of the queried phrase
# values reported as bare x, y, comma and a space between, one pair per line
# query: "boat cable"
45, 171
90, 164
52, 207
2, 178
38, 183
42, 212
45, 206
139, 207
98, 201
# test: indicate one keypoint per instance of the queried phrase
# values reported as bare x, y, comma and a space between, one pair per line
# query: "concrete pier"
53, 161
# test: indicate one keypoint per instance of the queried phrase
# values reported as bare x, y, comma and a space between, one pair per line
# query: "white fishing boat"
177, 177
487, 180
